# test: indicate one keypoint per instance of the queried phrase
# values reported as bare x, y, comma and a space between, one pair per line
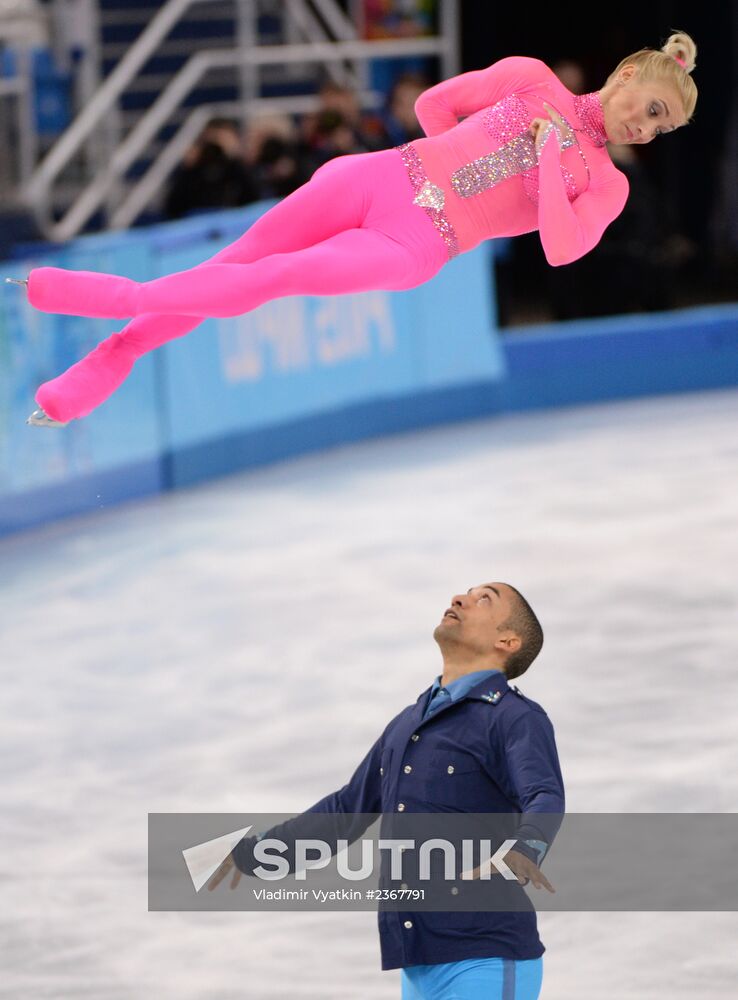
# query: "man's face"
403, 103
474, 619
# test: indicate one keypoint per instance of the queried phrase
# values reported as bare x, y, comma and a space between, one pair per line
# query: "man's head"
405, 92
343, 101
493, 626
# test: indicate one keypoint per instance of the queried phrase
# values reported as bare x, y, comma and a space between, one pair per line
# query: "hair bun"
680, 45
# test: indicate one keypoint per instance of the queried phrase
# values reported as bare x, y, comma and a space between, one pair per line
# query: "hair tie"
682, 62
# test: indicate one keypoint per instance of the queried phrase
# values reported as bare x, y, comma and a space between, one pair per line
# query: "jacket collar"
490, 689
463, 686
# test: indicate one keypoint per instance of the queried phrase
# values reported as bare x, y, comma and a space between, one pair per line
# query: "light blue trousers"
474, 979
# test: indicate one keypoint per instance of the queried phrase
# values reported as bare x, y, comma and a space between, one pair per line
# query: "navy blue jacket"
492, 751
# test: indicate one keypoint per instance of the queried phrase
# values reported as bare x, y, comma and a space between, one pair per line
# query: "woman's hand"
541, 127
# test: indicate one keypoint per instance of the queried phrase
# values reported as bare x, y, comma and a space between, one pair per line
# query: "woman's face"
636, 110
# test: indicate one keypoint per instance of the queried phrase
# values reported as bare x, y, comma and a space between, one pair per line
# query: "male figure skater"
470, 744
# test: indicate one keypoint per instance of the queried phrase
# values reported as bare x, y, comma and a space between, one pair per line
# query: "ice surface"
238, 646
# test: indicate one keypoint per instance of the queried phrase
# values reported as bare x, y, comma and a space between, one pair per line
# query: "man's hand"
220, 873
525, 869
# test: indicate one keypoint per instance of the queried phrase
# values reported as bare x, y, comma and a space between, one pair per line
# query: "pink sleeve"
569, 230
439, 108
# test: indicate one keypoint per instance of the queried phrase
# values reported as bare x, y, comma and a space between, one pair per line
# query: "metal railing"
345, 59
36, 190
189, 76
140, 196
17, 124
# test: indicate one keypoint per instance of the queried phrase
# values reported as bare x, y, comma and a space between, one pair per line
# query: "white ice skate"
40, 419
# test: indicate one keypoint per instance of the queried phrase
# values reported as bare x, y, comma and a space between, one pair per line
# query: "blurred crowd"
229, 166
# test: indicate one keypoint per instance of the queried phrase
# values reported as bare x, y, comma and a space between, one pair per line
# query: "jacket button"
403, 885
450, 768
415, 737
407, 768
401, 807
455, 890
408, 925
381, 770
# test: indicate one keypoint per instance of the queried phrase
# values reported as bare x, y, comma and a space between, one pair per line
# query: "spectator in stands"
400, 124
213, 174
571, 73
337, 128
273, 156
342, 101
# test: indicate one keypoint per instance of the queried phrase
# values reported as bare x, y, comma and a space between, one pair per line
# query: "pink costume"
386, 220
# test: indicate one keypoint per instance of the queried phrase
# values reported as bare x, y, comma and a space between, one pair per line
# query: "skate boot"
40, 419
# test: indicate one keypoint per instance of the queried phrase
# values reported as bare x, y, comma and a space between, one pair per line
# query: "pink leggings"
352, 228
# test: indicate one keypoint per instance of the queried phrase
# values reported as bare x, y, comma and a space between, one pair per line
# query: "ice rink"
238, 647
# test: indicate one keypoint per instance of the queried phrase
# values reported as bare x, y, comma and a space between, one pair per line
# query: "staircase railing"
37, 188
187, 78
335, 54
17, 125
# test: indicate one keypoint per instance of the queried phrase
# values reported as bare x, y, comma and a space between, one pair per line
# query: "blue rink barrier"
305, 373
618, 357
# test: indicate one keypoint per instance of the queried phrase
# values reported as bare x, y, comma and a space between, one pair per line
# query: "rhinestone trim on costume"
507, 122
589, 111
507, 119
567, 139
570, 140
515, 157
569, 183
429, 197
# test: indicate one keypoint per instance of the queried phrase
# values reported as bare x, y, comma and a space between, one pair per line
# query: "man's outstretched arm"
343, 815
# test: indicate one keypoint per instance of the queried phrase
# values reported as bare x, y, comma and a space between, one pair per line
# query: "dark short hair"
523, 622
223, 123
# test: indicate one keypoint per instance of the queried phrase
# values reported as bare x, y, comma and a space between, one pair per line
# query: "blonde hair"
661, 64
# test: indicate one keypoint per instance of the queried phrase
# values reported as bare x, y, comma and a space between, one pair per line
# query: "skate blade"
23, 282
40, 419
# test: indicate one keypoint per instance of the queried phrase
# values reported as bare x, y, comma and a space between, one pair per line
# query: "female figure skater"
527, 155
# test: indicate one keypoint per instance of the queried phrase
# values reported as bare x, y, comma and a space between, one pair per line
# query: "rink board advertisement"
299, 356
